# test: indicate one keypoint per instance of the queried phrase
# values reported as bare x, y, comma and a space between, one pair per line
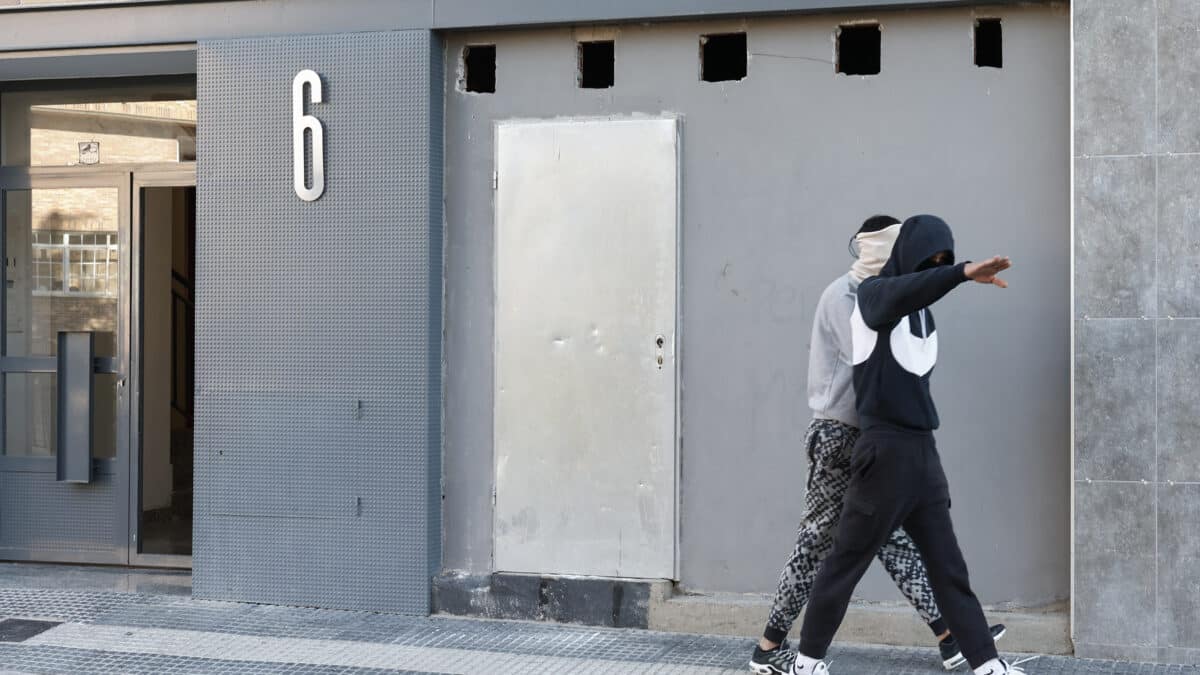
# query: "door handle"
76, 402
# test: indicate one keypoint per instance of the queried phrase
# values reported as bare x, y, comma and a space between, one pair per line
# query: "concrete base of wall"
616, 603
655, 605
1041, 631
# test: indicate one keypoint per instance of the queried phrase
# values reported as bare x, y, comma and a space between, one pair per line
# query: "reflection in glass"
104, 417
119, 125
64, 271
31, 415
30, 420
63, 274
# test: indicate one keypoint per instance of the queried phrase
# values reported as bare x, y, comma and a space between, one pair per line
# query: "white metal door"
585, 390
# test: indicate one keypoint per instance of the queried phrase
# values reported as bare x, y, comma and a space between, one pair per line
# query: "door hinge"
493, 496
495, 180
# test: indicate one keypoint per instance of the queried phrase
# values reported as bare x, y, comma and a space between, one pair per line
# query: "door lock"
659, 342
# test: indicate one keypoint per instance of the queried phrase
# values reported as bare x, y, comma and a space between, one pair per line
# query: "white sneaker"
998, 667
804, 665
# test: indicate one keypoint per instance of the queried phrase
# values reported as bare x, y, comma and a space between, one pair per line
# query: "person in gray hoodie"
828, 442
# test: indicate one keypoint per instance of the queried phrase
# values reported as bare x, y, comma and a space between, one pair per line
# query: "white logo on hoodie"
916, 354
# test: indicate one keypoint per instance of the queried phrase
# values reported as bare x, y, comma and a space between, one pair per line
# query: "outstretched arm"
885, 300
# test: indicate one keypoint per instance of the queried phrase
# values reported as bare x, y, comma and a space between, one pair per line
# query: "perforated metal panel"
39, 523
318, 326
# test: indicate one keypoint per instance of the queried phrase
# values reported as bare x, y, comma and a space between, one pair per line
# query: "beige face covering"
874, 249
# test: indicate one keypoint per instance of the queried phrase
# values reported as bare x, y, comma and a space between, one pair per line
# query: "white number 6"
300, 122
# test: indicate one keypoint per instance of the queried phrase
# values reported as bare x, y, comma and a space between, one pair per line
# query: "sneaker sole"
954, 663
764, 669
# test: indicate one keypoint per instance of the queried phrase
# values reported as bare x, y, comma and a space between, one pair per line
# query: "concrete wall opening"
479, 69
989, 43
597, 62
858, 49
723, 57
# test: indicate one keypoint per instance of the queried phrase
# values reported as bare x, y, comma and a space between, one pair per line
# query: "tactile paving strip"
592, 650
58, 660
74, 606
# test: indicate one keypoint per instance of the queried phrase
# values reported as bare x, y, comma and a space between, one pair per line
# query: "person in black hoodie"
896, 474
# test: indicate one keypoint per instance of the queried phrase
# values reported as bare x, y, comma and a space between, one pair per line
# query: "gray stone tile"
1178, 573
1178, 76
1086, 650
1179, 234
1178, 400
1114, 399
1114, 237
1114, 76
1114, 563
1176, 655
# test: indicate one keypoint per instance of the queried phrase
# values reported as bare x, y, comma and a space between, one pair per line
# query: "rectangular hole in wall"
723, 57
479, 68
596, 61
989, 43
858, 49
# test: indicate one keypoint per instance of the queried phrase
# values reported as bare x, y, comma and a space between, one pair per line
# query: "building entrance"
97, 208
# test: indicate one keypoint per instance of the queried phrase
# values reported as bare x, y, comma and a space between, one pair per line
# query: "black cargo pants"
896, 481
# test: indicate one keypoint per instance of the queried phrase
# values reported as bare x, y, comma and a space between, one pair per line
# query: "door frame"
180, 174
129, 179
674, 349
39, 178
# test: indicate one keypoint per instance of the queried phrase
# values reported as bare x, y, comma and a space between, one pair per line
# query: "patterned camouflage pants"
829, 444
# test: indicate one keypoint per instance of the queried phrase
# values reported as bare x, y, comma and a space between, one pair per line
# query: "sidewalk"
150, 625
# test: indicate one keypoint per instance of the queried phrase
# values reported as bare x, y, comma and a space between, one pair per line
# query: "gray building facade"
403, 350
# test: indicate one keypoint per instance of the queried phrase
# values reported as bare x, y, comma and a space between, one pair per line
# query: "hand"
985, 272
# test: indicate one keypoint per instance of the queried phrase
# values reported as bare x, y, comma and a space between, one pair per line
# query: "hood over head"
920, 238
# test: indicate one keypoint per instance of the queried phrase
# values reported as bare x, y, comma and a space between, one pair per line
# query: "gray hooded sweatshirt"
830, 371
830, 365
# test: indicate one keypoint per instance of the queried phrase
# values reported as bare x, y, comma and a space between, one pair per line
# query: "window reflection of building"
63, 244
125, 132
89, 127
65, 275
75, 263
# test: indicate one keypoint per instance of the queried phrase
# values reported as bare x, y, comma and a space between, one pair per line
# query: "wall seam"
1156, 147
1071, 348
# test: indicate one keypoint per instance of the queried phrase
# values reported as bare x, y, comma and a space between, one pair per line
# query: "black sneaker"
777, 661
952, 656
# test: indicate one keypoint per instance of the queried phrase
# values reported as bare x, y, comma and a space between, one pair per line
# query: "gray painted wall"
31, 27
777, 172
318, 346
1137, 337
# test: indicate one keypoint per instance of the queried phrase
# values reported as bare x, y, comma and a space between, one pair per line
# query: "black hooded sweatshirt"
895, 341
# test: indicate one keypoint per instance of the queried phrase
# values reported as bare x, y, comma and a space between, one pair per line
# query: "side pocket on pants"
857, 528
862, 461
811, 438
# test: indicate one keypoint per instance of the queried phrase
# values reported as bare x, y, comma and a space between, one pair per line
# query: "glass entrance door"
64, 456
